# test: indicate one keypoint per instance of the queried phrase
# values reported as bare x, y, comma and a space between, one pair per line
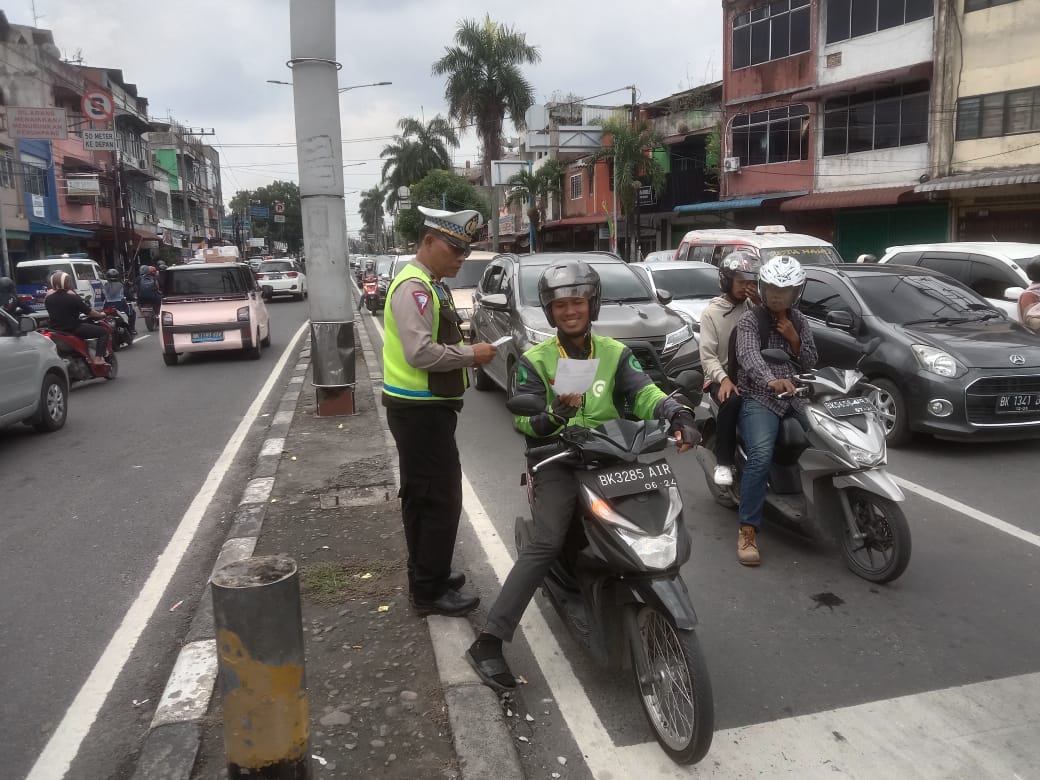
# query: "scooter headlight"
852, 438
656, 552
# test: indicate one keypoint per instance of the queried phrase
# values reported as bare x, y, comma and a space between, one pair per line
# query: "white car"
34, 386
282, 276
691, 284
993, 269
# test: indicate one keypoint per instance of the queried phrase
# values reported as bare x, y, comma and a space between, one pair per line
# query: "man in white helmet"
766, 388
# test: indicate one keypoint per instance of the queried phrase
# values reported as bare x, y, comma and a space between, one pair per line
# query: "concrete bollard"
256, 611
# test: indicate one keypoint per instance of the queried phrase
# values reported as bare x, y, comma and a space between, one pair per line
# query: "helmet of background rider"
739, 264
782, 273
572, 279
59, 280
112, 275
866, 258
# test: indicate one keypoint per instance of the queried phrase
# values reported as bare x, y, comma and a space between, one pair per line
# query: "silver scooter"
831, 479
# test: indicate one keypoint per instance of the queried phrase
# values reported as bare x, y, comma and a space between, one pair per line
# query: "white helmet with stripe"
781, 274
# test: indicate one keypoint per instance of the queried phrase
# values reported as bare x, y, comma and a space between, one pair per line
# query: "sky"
206, 63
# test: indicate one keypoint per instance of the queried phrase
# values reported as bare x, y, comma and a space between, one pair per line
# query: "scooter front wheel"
882, 551
677, 698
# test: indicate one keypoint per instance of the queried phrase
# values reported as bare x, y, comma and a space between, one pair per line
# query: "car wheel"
254, 353
54, 407
266, 340
481, 380
892, 407
169, 358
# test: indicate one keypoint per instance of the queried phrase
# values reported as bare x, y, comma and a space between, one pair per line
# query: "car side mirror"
526, 404
1013, 293
776, 356
840, 320
664, 296
26, 325
496, 302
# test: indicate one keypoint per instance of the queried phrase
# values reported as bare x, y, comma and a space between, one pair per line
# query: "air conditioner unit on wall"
731, 164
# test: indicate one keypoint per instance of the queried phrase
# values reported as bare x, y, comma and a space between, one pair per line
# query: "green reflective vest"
404, 381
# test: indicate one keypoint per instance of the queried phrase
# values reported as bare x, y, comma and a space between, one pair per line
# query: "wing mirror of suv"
495, 301
664, 296
526, 404
27, 324
840, 320
1013, 293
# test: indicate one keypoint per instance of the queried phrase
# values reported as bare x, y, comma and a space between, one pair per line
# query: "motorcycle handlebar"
544, 451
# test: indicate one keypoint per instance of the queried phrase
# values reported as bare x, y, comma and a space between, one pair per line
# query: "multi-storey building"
986, 119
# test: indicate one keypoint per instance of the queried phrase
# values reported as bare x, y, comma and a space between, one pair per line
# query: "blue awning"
735, 203
47, 228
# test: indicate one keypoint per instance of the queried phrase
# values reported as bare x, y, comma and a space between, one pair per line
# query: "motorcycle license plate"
207, 335
1009, 403
630, 478
846, 407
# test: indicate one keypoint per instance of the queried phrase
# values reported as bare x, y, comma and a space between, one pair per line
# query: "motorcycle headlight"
535, 336
656, 552
935, 361
852, 438
677, 338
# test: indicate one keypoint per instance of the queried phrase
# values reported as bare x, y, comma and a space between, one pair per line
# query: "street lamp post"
341, 90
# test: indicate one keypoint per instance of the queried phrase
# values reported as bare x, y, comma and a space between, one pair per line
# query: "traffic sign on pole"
97, 105
279, 208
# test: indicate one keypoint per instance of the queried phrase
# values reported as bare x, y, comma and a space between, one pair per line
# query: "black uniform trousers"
555, 498
431, 492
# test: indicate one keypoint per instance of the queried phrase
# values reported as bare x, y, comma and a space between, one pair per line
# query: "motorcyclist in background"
9, 301
115, 296
570, 295
148, 291
65, 307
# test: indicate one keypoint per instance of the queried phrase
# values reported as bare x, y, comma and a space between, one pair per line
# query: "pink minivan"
212, 306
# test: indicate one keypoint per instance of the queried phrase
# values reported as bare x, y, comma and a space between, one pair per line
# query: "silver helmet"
572, 279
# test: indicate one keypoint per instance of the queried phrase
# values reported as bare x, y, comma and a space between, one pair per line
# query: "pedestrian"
1029, 301
425, 373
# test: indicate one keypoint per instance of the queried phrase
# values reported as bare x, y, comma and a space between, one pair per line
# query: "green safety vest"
405, 381
598, 406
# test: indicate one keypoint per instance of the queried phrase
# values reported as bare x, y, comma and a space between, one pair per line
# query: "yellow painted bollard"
256, 610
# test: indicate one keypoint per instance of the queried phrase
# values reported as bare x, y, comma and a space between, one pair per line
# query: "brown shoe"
747, 549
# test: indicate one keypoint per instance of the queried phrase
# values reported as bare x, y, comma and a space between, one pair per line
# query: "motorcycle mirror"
690, 380
526, 404
26, 324
775, 356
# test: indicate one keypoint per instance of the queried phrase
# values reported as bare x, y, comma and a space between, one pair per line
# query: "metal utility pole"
5, 261
312, 32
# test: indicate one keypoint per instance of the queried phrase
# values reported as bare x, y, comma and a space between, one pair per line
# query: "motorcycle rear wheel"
152, 322
884, 552
113, 367
677, 701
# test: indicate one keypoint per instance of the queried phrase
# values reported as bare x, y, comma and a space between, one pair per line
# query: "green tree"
713, 159
419, 149
371, 210
439, 187
634, 167
534, 189
287, 192
485, 81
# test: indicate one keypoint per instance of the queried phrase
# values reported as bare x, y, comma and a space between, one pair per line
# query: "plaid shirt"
755, 373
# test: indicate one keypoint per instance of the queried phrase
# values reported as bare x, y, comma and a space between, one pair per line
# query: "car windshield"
620, 283
35, 274
906, 299
470, 274
688, 283
204, 281
383, 265
806, 255
276, 265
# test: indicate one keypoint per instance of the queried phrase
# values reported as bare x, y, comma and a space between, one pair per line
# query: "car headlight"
677, 338
167, 318
935, 361
536, 336
243, 314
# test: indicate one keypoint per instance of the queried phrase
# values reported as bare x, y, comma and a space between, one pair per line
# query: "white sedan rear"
282, 276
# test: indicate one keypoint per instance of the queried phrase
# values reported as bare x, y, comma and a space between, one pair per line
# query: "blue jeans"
758, 427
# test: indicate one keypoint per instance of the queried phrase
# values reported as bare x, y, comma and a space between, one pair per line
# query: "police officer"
424, 376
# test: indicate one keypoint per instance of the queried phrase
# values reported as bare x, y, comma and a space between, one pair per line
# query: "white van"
31, 277
765, 241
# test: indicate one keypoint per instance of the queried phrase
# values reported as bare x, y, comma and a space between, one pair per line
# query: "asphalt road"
87, 511
961, 614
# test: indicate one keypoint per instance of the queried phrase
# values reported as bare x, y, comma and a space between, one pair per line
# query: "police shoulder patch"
422, 300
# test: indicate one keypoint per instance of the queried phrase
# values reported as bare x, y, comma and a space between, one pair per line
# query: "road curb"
483, 744
175, 734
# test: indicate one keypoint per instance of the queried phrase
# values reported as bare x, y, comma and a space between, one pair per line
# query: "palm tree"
485, 82
371, 210
535, 189
419, 149
633, 167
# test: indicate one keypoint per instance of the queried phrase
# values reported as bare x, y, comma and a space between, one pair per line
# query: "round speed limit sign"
97, 105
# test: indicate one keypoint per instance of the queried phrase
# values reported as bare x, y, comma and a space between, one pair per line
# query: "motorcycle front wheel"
152, 322
677, 699
883, 551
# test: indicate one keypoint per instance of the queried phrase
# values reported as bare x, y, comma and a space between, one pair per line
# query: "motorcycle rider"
148, 291
9, 301
64, 307
738, 278
570, 295
115, 296
766, 388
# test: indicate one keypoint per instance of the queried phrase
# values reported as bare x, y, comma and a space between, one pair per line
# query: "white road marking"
142, 338
968, 511
61, 749
186, 696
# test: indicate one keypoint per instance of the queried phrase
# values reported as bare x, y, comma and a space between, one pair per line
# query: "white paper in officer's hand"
574, 376
501, 341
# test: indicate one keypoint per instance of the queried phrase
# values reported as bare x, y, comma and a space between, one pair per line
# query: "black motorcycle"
122, 336
616, 583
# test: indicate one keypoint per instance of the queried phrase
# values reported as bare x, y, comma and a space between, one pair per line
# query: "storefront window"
777, 135
770, 32
881, 119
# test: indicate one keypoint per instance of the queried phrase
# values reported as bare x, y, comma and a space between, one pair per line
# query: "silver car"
505, 303
34, 386
691, 285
